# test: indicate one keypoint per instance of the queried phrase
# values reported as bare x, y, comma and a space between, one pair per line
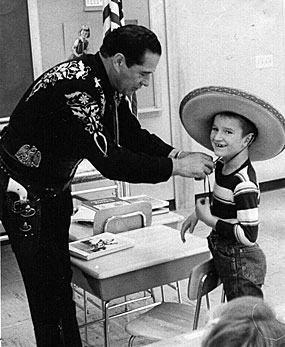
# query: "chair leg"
223, 299
162, 293
197, 313
85, 315
131, 341
179, 292
208, 301
126, 305
105, 305
152, 295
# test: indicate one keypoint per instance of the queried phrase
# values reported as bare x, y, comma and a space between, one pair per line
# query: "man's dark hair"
133, 41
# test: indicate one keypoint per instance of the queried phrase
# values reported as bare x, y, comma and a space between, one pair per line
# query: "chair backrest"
203, 279
123, 218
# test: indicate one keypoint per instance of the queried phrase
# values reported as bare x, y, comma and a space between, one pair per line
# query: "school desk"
157, 258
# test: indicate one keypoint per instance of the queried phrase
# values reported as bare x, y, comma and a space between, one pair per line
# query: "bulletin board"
16, 71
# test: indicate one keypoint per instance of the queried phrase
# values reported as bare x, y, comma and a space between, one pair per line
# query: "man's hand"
194, 165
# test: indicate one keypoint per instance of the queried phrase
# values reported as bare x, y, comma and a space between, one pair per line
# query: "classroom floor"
17, 330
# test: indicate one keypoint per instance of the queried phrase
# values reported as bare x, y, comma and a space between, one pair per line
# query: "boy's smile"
227, 137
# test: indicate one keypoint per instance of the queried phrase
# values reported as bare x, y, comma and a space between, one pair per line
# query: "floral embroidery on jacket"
102, 96
68, 70
87, 110
29, 156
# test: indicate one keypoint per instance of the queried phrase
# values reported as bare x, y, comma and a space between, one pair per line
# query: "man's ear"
119, 61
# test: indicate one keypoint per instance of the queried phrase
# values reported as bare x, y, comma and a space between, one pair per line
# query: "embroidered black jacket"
67, 115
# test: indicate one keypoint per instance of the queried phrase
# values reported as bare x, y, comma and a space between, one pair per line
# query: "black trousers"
44, 262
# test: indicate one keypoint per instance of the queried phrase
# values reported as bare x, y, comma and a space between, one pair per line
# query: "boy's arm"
189, 224
246, 197
204, 214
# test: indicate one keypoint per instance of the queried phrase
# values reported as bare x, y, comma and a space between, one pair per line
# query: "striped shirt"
235, 203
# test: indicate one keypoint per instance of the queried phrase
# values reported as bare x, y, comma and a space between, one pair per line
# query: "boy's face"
227, 136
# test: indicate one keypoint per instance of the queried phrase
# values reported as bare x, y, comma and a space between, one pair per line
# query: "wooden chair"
170, 319
122, 218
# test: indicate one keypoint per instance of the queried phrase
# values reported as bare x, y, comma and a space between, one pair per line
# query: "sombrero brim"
199, 106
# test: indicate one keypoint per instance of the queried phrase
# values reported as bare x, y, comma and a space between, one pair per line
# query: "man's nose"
145, 81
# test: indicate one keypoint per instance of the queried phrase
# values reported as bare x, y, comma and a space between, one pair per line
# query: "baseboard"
272, 185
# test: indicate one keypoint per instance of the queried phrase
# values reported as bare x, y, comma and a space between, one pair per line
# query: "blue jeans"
241, 268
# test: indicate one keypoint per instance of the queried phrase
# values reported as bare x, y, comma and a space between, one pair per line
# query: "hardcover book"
155, 203
104, 203
99, 245
88, 208
113, 201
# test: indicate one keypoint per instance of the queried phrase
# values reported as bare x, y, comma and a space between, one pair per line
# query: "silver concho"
29, 156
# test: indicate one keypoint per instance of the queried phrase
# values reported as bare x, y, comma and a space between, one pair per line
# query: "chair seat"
164, 321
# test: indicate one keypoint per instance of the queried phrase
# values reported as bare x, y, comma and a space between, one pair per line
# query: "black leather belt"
35, 190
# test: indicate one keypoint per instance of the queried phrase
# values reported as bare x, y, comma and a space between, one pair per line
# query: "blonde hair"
246, 322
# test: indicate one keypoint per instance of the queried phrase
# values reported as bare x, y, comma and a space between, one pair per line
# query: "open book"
99, 245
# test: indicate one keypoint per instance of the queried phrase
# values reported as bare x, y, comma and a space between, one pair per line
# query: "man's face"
130, 79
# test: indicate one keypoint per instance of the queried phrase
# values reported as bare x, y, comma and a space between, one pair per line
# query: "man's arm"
137, 139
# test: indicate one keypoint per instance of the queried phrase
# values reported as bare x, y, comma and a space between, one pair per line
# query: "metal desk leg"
105, 307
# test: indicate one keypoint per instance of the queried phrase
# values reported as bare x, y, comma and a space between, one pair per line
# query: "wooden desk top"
193, 338
153, 245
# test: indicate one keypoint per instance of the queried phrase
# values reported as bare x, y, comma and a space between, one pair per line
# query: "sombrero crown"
200, 105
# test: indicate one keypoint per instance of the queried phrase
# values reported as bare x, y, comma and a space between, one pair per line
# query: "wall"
205, 42
216, 42
16, 71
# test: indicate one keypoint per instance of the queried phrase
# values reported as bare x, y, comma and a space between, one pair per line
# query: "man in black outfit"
77, 109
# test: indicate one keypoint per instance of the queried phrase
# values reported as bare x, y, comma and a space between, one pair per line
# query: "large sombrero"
199, 106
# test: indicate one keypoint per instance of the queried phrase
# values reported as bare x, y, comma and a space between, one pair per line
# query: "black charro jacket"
67, 115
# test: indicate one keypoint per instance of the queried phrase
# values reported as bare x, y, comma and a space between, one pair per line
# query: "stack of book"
158, 206
88, 208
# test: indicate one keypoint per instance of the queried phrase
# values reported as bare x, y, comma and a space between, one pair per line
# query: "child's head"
84, 31
231, 133
198, 108
246, 321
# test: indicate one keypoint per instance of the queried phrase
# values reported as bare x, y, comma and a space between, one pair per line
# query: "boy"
233, 124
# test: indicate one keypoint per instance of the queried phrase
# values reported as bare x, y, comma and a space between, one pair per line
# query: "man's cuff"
174, 154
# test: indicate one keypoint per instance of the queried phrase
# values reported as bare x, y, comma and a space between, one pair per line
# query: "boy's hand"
203, 212
188, 224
